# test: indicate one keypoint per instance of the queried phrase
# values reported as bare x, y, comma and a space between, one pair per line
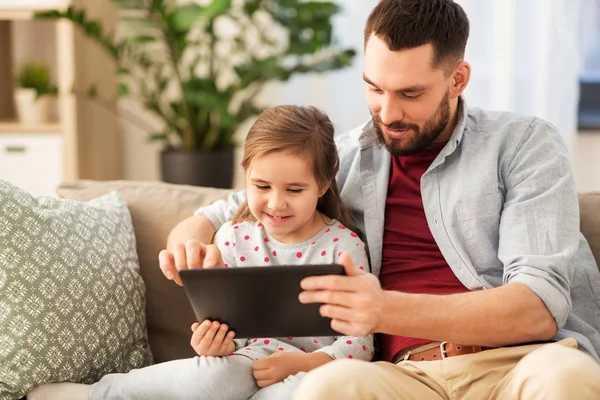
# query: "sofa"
157, 207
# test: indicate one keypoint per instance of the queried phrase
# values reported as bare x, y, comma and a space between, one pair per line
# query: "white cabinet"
33, 162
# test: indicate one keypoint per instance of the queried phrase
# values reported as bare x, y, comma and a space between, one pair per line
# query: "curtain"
525, 58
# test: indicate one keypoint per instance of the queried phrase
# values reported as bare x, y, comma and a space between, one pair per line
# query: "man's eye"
412, 97
375, 90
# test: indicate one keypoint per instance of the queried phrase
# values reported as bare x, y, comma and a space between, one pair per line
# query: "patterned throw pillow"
71, 296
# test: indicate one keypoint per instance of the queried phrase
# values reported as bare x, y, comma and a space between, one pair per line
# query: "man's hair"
305, 131
406, 24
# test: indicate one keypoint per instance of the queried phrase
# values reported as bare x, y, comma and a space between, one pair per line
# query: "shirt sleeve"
221, 211
539, 226
225, 240
360, 348
239, 343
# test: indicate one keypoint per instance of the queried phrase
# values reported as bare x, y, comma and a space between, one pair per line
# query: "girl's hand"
189, 255
212, 339
280, 365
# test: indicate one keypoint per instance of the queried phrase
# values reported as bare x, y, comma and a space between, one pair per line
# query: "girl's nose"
276, 202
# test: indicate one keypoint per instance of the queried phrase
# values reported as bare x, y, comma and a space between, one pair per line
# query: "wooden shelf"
11, 10
16, 127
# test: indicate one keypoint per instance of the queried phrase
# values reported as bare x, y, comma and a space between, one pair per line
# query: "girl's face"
283, 195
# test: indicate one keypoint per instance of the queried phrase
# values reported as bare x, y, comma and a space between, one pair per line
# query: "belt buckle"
443, 350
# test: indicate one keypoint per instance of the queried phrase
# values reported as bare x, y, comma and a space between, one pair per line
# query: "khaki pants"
540, 371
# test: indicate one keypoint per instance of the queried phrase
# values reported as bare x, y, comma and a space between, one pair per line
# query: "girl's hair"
307, 132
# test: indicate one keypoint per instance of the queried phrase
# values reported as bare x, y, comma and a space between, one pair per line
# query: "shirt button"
435, 221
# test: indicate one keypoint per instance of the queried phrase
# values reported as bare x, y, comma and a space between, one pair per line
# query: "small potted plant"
34, 93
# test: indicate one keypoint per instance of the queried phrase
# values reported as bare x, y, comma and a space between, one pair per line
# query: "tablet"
258, 301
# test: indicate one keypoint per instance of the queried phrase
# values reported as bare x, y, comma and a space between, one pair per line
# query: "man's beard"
422, 138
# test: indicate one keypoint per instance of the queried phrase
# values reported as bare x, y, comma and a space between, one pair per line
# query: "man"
486, 286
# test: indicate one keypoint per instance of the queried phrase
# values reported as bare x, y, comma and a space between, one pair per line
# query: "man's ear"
461, 75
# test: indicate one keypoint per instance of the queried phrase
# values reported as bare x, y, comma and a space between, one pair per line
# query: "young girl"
293, 215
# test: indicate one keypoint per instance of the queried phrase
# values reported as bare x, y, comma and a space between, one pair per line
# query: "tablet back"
258, 301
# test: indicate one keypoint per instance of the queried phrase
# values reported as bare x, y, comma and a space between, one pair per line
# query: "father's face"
408, 99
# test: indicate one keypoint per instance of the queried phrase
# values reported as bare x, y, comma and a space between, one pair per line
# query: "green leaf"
157, 137
92, 90
123, 90
311, 11
93, 28
185, 17
142, 39
251, 6
216, 8
53, 14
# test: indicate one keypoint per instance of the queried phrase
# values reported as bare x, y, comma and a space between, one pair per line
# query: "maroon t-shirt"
411, 260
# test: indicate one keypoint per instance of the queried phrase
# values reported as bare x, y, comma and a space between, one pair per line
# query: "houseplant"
200, 67
34, 92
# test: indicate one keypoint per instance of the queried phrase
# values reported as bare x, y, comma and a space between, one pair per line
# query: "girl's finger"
228, 342
218, 339
193, 252
213, 257
209, 336
200, 333
179, 256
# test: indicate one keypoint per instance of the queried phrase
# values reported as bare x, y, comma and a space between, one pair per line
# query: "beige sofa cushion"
589, 209
155, 208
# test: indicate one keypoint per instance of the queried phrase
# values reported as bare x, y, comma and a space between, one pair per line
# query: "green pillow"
71, 296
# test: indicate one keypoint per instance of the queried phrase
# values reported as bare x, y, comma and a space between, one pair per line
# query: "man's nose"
390, 110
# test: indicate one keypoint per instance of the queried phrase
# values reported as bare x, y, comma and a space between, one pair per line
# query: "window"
589, 100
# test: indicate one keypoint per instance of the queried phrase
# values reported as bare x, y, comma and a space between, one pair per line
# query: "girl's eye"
295, 191
261, 187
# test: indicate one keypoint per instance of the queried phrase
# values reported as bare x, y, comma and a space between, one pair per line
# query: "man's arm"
510, 314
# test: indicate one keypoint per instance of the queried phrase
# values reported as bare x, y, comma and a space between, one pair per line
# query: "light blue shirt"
501, 203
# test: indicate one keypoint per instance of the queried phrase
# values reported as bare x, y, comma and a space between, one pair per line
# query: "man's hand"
212, 339
280, 365
353, 302
190, 255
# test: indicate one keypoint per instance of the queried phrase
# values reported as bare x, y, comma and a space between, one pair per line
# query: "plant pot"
198, 168
32, 110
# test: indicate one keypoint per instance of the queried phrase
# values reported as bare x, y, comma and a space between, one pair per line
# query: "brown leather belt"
436, 351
